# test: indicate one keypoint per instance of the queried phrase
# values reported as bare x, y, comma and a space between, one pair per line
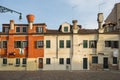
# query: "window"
85, 43
115, 44
24, 61
61, 61
112, 44
68, 44
61, 45
4, 44
65, 29
24, 29
6, 29
4, 61
17, 29
47, 60
107, 43
20, 44
39, 29
95, 59
47, 43
40, 44
114, 60
68, 61
17, 61
92, 44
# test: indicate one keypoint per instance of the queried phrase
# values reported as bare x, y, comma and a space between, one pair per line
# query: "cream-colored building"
89, 49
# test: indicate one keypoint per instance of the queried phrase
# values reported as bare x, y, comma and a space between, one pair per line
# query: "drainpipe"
119, 47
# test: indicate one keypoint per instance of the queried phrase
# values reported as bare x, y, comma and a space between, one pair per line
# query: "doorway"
85, 63
40, 65
105, 63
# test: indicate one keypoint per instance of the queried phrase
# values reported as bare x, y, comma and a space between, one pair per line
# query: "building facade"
34, 47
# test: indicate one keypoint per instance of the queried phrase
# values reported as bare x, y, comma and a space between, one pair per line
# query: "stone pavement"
59, 75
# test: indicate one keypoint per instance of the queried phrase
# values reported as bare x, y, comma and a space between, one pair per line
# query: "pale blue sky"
56, 12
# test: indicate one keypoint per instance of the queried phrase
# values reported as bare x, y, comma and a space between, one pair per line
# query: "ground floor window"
4, 61
17, 61
68, 61
48, 61
61, 61
24, 61
114, 60
95, 59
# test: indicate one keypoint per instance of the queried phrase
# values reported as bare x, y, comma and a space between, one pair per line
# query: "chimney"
100, 20
75, 24
30, 19
12, 24
75, 27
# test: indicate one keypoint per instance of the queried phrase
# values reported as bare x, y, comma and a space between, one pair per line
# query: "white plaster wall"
51, 52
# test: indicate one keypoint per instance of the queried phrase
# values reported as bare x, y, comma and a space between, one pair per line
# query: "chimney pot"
30, 18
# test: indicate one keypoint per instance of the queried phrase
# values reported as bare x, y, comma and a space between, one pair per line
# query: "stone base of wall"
100, 67
96, 67
113, 67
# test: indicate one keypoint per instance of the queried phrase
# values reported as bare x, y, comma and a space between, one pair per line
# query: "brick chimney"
30, 19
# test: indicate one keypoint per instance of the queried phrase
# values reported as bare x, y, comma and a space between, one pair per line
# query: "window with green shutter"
94, 59
17, 61
47, 43
4, 61
65, 29
61, 61
85, 43
68, 43
48, 61
114, 60
24, 61
61, 45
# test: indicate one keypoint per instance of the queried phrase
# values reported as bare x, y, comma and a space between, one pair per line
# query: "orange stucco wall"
30, 51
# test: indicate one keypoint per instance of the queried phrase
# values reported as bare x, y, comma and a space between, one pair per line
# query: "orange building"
20, 43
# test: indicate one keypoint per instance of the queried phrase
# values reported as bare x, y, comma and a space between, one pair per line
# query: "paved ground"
59, 75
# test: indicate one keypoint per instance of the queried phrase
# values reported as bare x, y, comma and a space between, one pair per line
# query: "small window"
17, 29
61, 44
48, 61
4, 61
24, 61
47, 43
95, 59
66, 29
85, 43
6, 29
68, 61
24, 44
114, 60
17, 61
4, 44
40, 44
39, 29
68, 44
24, 29
61, 61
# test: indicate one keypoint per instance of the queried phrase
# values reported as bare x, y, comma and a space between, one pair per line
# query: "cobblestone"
59, 75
